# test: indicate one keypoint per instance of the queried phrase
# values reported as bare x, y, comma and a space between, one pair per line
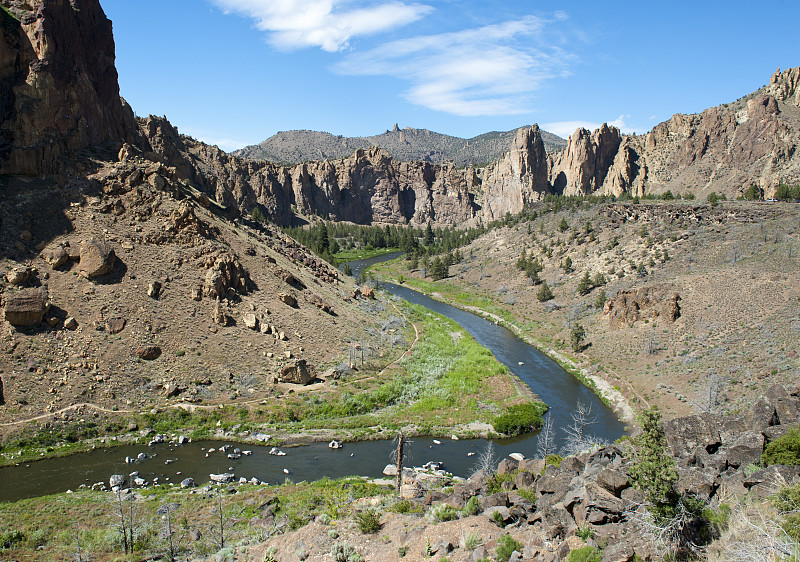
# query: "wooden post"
399, 462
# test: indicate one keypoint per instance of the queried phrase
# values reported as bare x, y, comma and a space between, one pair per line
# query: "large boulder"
746, 449
684, 435
27, 307
56, 256
297, 373
96, 258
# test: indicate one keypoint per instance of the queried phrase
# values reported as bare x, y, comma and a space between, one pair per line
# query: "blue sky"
234, 72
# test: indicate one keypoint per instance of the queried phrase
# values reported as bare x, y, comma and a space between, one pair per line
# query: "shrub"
585, 533
520, 418
713, 198
442, 512
555, 460
472, 507
784, 450
505, 546
585, 285
343, 552
584, 554
368, 521
788, 502
472, 541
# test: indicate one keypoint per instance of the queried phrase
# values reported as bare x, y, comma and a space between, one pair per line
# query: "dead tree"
546, 446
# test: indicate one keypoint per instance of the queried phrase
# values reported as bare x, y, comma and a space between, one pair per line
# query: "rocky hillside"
587, 500
294, 147
121, 284
724, 149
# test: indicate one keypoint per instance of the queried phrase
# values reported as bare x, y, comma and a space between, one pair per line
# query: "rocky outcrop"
518, 179
297, 372
58, 82
582, 167
646, 303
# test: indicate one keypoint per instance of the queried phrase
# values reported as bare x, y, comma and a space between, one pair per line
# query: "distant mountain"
293, 147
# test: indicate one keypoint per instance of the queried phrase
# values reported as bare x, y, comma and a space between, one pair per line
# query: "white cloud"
329, 24
492, 70
565, 129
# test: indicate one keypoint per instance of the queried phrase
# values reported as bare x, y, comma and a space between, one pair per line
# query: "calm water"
556, 387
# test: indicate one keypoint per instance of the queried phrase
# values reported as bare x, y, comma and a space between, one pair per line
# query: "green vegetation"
576, 336
653, 470
544, 293
788, 502
368, 521
787, 193
506, 545
520, 418
585, 554
784, 450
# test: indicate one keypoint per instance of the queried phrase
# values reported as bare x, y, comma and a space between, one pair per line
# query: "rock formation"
26, 308
59, 83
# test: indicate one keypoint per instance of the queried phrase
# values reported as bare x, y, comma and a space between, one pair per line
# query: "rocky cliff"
59, 83
369, 186
724, 149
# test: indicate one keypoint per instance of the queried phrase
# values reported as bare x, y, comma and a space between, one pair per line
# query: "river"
172, 463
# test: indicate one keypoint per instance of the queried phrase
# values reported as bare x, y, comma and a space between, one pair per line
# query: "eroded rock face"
26, 308
60, 90
627, 307
226, 278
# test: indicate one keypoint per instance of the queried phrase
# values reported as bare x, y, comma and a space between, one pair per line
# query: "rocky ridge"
406, 144
724, 149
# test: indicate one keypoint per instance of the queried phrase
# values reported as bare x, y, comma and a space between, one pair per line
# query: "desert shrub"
784, 450
343, 552
442, 512
585, 533
368, 521
505, 546
519, 419
472, 507
788, 502
472, 541
584, 554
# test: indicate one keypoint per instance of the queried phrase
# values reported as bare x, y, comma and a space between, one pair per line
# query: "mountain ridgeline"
294, 147
50, 114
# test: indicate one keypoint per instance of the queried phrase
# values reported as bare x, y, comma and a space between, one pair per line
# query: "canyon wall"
59, 84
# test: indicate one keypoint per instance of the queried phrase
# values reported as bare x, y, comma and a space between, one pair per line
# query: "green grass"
58, 524
362, 253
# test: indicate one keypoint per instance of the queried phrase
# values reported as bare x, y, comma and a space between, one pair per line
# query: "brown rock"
154, 290
368, 292
97, 258
70, 323
628, 307
197, 294
288, 299
297, 373
250, 321
148, 352
115, 325
56, 256
18, 275
27, 307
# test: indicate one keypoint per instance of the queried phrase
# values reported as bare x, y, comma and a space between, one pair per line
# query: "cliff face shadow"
33, 212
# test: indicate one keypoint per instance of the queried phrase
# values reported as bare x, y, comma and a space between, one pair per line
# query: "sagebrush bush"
442, 512
784, 450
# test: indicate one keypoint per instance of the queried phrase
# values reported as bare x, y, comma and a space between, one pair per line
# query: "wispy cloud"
565, 129
328, 24
491, 70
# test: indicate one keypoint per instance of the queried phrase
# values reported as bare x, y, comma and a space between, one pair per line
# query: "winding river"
172, 463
